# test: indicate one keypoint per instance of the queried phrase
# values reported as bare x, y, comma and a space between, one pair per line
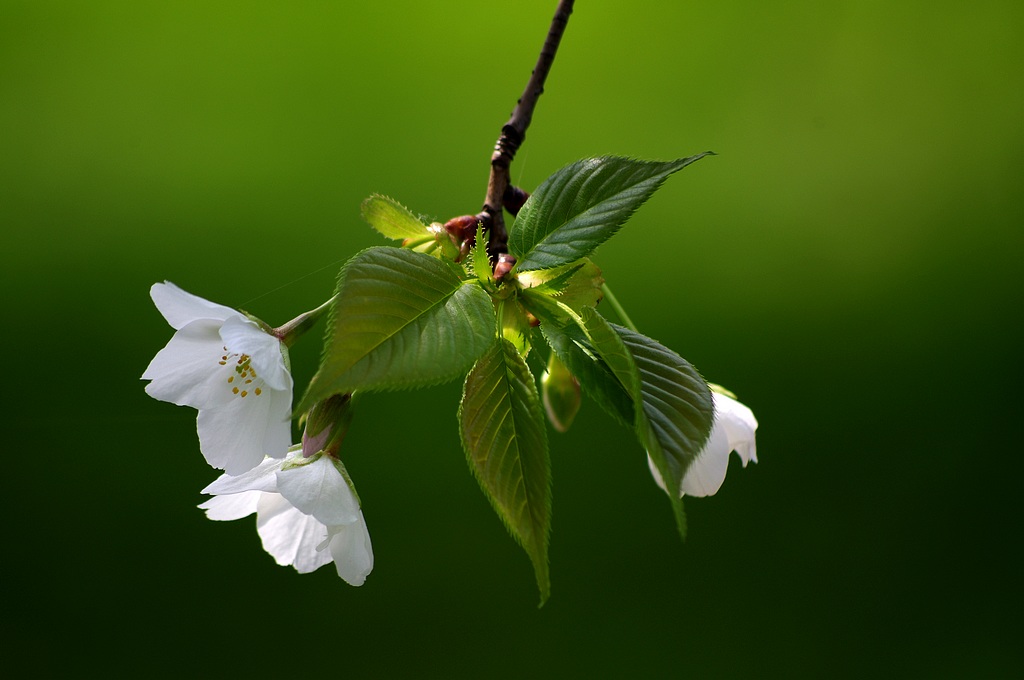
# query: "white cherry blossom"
306, 513
733, 430
230, 369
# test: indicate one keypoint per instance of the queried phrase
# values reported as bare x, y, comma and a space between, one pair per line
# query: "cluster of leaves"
421, 314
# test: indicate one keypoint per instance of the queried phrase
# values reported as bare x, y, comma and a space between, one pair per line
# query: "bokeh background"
850, 264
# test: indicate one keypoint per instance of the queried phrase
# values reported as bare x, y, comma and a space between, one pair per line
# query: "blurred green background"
850, 264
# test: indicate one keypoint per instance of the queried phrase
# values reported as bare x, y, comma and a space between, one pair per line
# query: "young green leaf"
401, 319
392, 219
582, 205
575, 285
549, 281
506, 446
480, 261
515, 327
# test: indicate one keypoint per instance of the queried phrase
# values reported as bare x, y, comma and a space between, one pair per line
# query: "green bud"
560, 392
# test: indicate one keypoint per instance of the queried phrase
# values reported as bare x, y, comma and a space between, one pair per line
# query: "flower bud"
326, 425
560, 392
462, 228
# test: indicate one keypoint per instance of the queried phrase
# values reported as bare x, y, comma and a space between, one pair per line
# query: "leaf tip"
680, 514
542, 572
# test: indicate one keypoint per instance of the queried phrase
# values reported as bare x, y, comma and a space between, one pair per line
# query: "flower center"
242, 378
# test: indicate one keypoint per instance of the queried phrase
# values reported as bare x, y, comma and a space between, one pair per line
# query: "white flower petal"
705, 475
278, 433
181, 308
318, 489
243, 336
740, 426
233, 506
234, 437
230, 369
352, 552
186, 372
290, 536
263, 477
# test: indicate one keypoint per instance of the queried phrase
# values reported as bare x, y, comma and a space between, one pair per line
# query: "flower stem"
614, 302
297, 327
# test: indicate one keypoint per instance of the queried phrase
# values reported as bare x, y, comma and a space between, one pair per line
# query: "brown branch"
513, 134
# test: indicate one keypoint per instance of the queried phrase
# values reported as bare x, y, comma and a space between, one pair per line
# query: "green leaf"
480, 261
549, 281
506, 446
514, 325
676, 410
611, 348
582, 205
392, 219
401, 319
676, 399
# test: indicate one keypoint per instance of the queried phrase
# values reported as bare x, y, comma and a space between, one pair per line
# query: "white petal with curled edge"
180, 307
740, 427
231, 507
318, 489
235, 437
352, 552
185, 372
290, 536
242, 336
263, 477
705, 475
